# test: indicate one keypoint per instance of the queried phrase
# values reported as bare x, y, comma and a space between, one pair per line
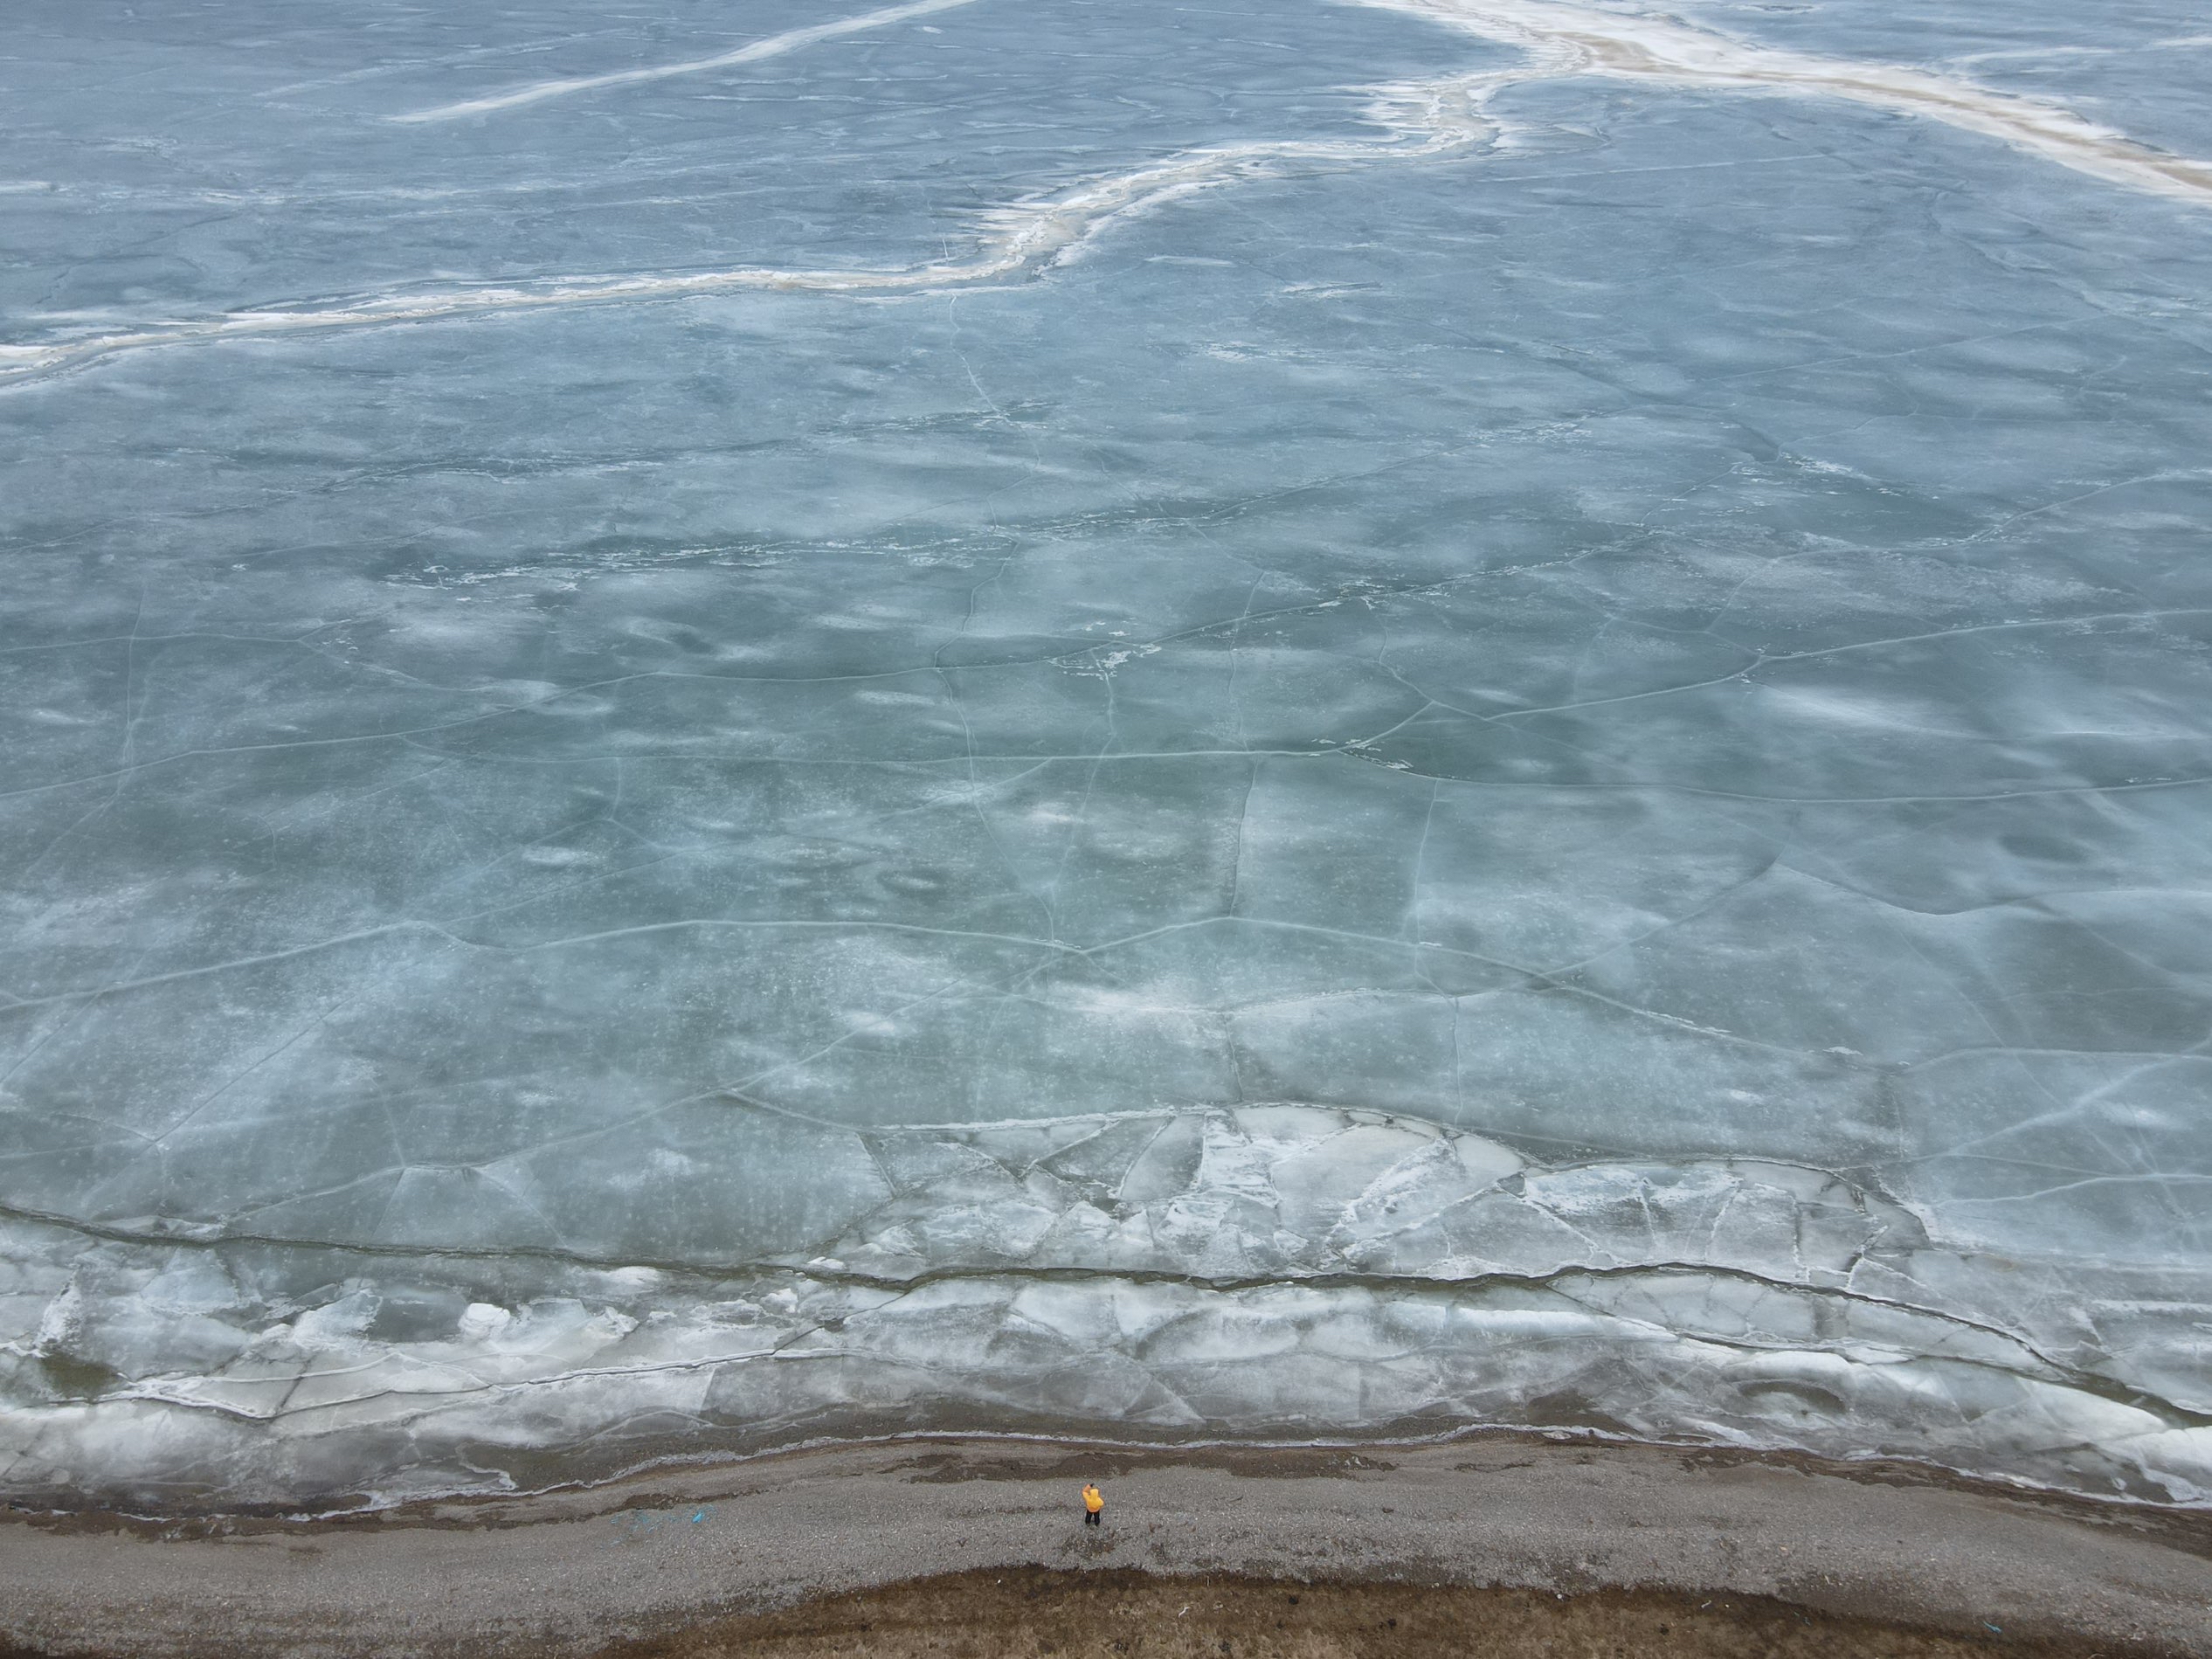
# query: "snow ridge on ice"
1422, 119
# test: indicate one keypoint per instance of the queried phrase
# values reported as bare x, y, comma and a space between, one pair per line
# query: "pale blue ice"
730, 722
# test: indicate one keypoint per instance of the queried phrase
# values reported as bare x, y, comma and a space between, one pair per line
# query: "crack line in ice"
772, 46
1034, 762
413, 925
1766, 660
2182, 1178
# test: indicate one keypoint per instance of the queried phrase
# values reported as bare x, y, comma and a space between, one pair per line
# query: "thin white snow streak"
772, 46
1569, 40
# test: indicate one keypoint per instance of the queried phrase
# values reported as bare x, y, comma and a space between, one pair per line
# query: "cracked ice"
1290, 721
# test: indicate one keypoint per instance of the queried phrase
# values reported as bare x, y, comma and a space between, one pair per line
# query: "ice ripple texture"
1298, 722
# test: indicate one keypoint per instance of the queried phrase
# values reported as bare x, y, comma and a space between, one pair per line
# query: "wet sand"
1032, 1611
1504, 1545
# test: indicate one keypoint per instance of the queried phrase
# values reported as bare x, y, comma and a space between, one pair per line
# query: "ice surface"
1290, 722
1286, 1271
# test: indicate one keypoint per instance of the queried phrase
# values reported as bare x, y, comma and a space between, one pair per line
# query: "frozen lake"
728, 723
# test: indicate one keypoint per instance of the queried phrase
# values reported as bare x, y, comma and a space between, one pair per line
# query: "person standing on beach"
1093, 1503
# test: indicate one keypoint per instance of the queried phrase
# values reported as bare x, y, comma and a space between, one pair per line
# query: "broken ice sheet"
1291, 722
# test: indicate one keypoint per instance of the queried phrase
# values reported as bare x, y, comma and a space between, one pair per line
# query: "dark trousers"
1090, 1517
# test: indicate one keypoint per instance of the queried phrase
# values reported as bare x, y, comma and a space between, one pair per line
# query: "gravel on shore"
1587, 1547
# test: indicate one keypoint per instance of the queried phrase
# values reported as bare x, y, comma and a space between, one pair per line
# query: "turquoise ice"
1300, 721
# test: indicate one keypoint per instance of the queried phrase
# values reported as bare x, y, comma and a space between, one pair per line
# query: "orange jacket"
1094, 1500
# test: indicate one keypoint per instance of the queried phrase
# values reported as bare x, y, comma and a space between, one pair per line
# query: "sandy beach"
1497, 1543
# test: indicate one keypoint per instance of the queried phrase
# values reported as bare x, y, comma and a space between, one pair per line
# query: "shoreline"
678, 1550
